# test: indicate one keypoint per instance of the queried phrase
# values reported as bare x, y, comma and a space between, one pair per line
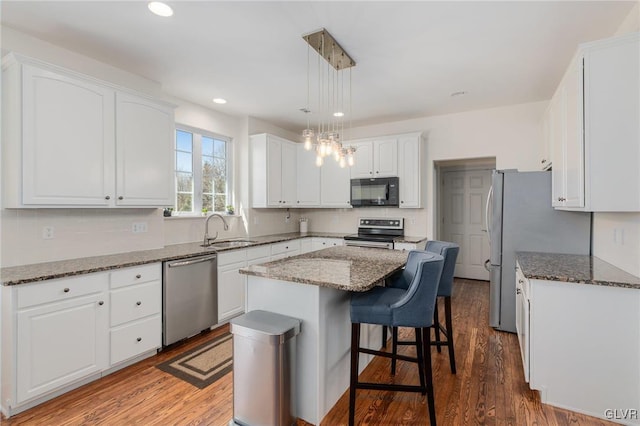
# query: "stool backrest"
415, 308
450, 253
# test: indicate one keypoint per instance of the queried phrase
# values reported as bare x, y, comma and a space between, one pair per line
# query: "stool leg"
355, 355
447, 314
394, 349
426, 345
420, 358
384, 336
436, 323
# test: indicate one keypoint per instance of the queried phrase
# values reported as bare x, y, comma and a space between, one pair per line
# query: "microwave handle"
386, 195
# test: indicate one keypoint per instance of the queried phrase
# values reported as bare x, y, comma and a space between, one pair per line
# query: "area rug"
204, 364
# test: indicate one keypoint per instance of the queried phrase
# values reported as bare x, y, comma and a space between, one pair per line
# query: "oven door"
374, 192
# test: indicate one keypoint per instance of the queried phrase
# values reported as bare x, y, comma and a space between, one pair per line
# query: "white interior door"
464, 194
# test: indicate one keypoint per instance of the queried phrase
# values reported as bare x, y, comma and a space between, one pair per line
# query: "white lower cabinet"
318, 243
231, 284
62, 333
285, 249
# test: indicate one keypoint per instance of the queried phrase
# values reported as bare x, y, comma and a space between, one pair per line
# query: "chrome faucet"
206, 228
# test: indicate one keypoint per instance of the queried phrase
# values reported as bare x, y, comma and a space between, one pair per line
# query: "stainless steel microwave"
374, 192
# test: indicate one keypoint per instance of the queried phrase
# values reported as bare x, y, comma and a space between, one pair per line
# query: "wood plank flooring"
489, 387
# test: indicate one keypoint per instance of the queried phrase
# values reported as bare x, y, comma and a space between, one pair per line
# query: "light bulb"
319, 161
342, 162
307, 144
336, 155
350, 160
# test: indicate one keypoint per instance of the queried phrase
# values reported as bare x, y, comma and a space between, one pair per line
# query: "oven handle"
368, 244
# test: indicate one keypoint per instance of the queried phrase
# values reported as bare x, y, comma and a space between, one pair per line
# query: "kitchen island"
315, 288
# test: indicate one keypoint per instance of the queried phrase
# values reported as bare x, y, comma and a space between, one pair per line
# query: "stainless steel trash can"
264, 369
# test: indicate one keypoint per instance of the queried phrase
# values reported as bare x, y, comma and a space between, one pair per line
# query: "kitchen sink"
229, 243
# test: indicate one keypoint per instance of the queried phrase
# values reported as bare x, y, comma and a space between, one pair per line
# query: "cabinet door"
545, 128
231, 291
385, 157
60, 343
334, 185
144, 152
289, 171
574, 141
557, 133
308, 184
67, 140
274, 172
409, 172
363, 160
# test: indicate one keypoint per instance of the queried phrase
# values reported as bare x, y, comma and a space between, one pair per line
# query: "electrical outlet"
47, 232
139, 227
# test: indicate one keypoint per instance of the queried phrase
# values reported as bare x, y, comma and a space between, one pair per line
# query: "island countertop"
343, 268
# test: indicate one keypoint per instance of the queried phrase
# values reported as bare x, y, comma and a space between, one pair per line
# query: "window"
202, 171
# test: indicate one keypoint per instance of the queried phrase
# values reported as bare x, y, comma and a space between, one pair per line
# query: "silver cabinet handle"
107, 197
562, 199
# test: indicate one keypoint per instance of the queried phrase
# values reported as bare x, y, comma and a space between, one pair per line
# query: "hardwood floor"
489, 387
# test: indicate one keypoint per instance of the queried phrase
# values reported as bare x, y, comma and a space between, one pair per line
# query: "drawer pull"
107, 197
121, 198
518, 291
139, 339
138, 276
66, 290
101, 303
138, 303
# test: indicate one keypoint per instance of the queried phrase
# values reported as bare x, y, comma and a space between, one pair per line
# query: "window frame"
196, 164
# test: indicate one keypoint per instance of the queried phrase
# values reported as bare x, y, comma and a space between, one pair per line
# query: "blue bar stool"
412, 306
449, 251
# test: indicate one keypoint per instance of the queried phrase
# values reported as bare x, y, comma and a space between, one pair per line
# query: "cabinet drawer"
135, 302
135, 339
135, 275
258, 252
285, 247
61, 289
232, 256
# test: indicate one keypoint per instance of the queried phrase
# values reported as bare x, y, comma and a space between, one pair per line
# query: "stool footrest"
390, 387
387, 355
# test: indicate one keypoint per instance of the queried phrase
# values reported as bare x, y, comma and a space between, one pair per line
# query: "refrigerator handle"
486, 214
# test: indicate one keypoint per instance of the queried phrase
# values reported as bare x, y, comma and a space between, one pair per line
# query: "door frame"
462, 164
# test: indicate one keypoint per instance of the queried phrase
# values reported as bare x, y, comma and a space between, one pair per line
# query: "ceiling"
411, 56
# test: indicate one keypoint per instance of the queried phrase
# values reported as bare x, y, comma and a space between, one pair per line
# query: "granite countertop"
64, 268
582, 269
342, 268
410, 240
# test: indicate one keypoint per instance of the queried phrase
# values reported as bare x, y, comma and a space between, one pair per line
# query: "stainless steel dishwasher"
189, 297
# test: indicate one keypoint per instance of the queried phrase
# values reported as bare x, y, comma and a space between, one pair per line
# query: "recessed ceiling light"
338, 114
460, 93
219, 100
160, 9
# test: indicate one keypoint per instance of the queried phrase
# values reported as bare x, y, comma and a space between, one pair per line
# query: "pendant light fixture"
331, 105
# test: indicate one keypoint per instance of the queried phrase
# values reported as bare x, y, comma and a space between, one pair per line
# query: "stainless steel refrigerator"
520, 218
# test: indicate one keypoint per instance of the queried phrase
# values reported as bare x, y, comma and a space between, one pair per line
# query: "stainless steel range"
376, 232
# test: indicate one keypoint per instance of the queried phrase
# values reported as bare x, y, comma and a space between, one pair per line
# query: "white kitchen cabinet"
274, 170
410, 170
545, 129
563, 355
60, 335
596, 142
231, 284
375, 158
319, 243
144, 152
308, 179
285, 249
335, 185
60, 143
136, 308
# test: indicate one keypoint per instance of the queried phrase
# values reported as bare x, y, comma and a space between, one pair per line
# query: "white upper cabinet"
410, 170
308, 179
596, 151
144, 152
335, 185
63, 131
375, 158
273, 175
